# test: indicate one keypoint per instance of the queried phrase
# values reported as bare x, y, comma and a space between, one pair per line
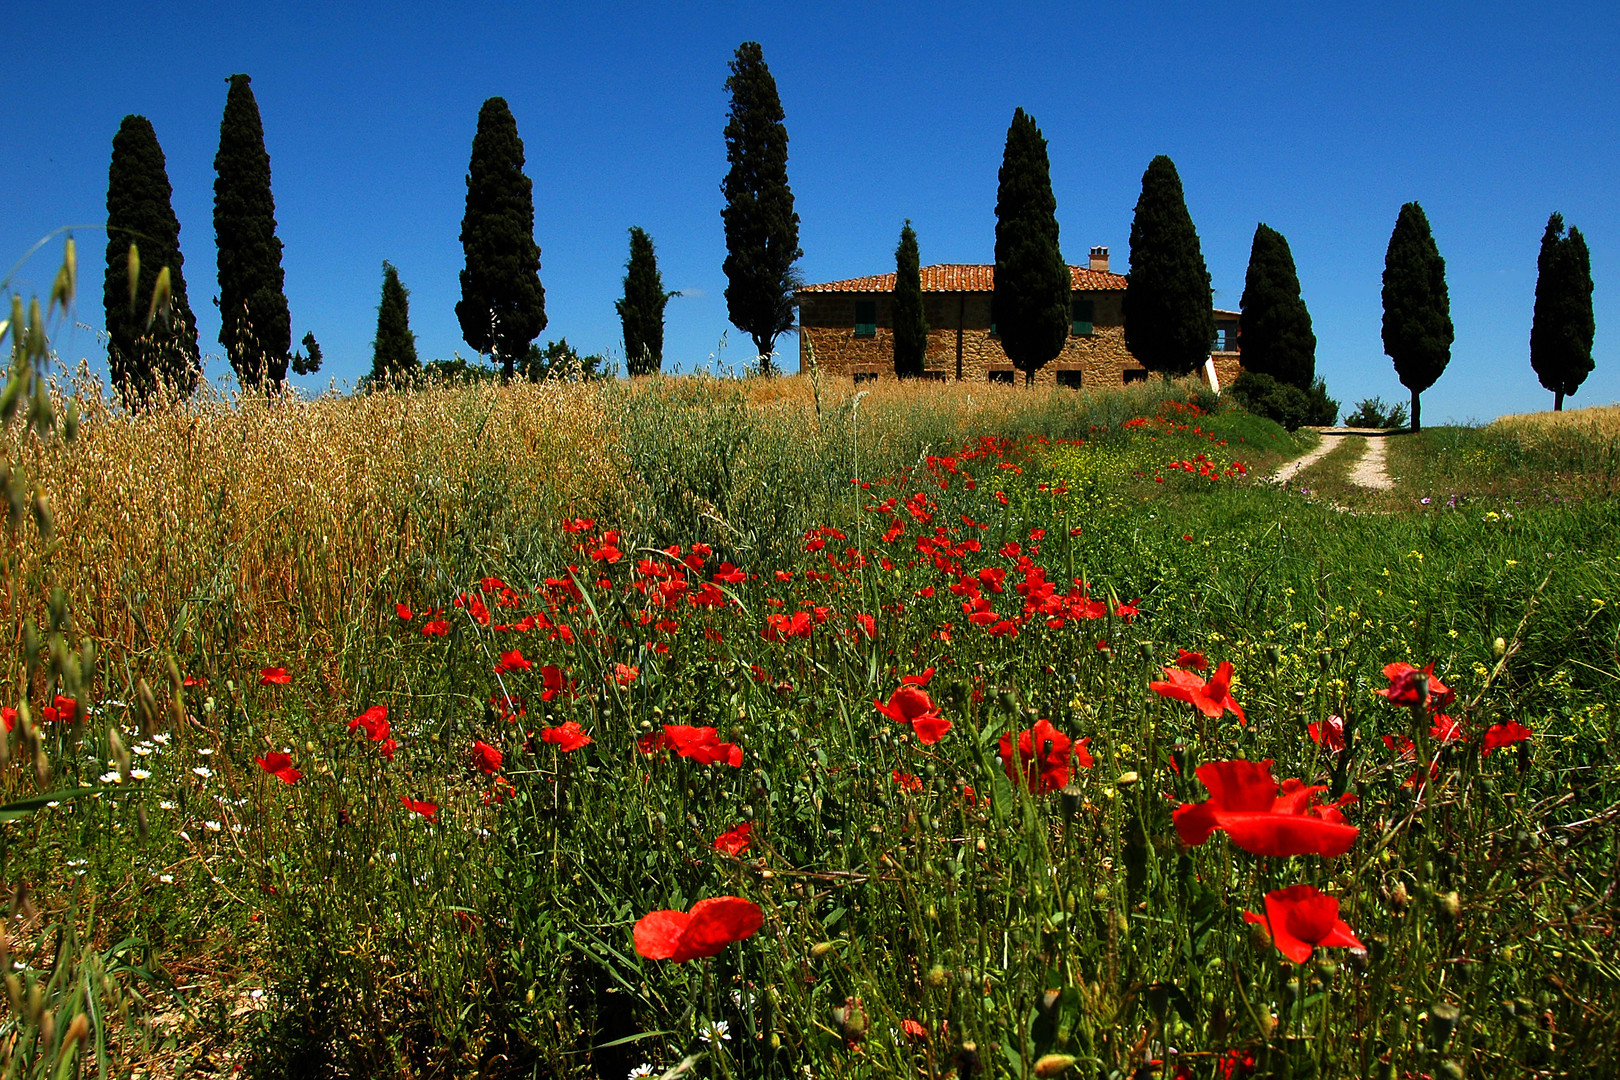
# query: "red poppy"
8, 716
1044, 754
709, 927
1246, 802
729, 574
1301, 918
375, 722
1507, 734
1403, 688
918, 680
736, 841
625, 674
1211, 698
1329, 733
429, 810
274, 676
907, 781
1191, 660
61, 710
913, 1029
702, 745
513, 661
555, 683
1445, 730
404, 612
486, 758
568, 737
435, 628
911, 705
279, 765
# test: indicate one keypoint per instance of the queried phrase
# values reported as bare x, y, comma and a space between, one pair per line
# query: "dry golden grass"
1600, 422
259, 526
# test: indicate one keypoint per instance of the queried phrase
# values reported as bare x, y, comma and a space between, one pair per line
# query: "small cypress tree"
762, 231
140, 214
255, 327
910, 320
642, 309
307, 362
1276, 327
1563, 328
1032, 301
1169, 310
393, 353
1417, 307
503, 306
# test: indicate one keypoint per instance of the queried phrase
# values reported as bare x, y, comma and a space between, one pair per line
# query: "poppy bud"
852, 1020
1399, 898
1451, 1070
1260, 938
1326, 969
1274, 654
1451, 906
822, 948
1443, 1018
1499, 648
1054, 1064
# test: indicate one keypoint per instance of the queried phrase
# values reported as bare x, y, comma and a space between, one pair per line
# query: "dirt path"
1369, 471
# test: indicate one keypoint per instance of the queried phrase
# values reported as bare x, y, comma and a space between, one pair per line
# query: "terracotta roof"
962, 277
1222, 313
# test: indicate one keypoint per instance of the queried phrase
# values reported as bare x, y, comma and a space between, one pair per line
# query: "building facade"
847, 328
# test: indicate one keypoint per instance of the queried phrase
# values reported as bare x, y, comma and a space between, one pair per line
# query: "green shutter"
1084, 312
866, 318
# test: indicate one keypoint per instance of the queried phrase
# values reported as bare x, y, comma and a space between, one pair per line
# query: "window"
1226, 339
866, 318
1083, 312
993, 330
1001, 377
1135, 375
1071, 379
865, 376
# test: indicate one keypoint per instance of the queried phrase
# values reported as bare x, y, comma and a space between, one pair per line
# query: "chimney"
1099, 259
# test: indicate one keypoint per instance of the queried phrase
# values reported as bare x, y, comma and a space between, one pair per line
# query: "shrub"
1272, 398
1373, 413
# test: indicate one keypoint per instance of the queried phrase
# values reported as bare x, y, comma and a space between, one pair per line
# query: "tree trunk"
1558, 401
766, 366
1417, 413
1029, 379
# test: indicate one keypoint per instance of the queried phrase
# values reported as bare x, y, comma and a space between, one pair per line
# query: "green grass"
497, 940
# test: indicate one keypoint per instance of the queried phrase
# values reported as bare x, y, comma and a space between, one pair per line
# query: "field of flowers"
732, 730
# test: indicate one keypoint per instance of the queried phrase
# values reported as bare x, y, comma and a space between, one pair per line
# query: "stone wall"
959, 341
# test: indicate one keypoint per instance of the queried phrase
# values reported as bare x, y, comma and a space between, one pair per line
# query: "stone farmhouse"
848, 327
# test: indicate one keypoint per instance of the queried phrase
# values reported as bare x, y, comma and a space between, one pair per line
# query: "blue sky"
1320, 120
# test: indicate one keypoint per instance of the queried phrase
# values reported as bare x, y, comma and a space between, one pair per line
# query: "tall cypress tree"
910, 320
642, 309
1562, 330
140, 214
503, 306
1276, 327
1169, 312
393, 353
762, 231
1032, 300
255, 326
1417, 307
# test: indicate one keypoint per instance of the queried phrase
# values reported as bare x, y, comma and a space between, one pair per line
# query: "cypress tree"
503, 306
255, 327
140, 215
307, 362
393, 353
1276, 327
762, 231
642, 309
1417, 308
1032, 301
1169, 312
1562, 330
910, 320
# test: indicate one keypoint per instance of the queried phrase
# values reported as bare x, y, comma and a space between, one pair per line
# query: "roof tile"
962, 277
